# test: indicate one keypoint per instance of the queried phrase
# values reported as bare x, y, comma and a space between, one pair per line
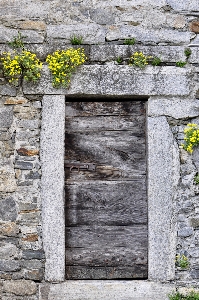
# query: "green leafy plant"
76, 39
182, 261
179, 296
17, 42
119, 60
156, 61
17, 66
180, 64
191, 137
62, 63
187, 52
138, 59
129, 41
196, 179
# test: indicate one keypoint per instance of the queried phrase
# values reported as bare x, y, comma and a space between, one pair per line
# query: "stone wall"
161, 28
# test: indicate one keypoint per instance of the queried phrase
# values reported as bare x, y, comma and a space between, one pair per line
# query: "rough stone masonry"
163, 28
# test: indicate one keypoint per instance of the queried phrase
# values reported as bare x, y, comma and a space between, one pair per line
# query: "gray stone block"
23, 165
148, 36
9, 265
91, 33
7, 34
6, 116
127, 3
25, 9
29, 124
7, 250
20, 287
102, 16
31, 264
30, 36
195, 223
7, 90
33, 175
8, 211
174, 107
33, 254
181, 5
195, 272
185, 232
104, 53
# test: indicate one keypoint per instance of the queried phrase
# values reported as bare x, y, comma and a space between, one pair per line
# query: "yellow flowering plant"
18, 65
191, 137
182, 261
62, 63
138, 59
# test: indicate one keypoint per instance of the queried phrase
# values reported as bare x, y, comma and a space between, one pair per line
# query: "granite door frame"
162, 150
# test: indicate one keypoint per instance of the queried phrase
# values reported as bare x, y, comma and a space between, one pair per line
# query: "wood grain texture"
106, 236
119, 256
123, 151
106, 203
88, 108
96, 123
81, 272
106, 209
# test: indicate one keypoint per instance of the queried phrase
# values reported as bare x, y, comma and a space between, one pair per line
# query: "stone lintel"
111, 79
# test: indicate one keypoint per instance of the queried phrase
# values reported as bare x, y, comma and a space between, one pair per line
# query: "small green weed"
178, 296
187, 52
129, 41
180, 64
182, 261
76, 39
17, 42
196, 179
119, 60
156, 61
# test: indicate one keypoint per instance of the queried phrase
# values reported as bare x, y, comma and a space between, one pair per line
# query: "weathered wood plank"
80, 272
136, 124
96, 237
123, 151
105, 108
106, 203
119, 256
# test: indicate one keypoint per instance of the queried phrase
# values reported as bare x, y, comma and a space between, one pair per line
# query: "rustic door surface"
106, 199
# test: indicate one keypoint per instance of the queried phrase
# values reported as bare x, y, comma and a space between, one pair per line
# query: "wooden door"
106, 204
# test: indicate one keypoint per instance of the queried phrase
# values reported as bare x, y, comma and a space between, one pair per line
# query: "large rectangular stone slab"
118, 80
91, 33
106, 290
103, 53
127, 3
174, 107
163, 176
31, 36
52, 182
24, 9
148, 36
189, 5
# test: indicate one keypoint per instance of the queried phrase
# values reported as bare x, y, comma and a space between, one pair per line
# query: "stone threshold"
105, 290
